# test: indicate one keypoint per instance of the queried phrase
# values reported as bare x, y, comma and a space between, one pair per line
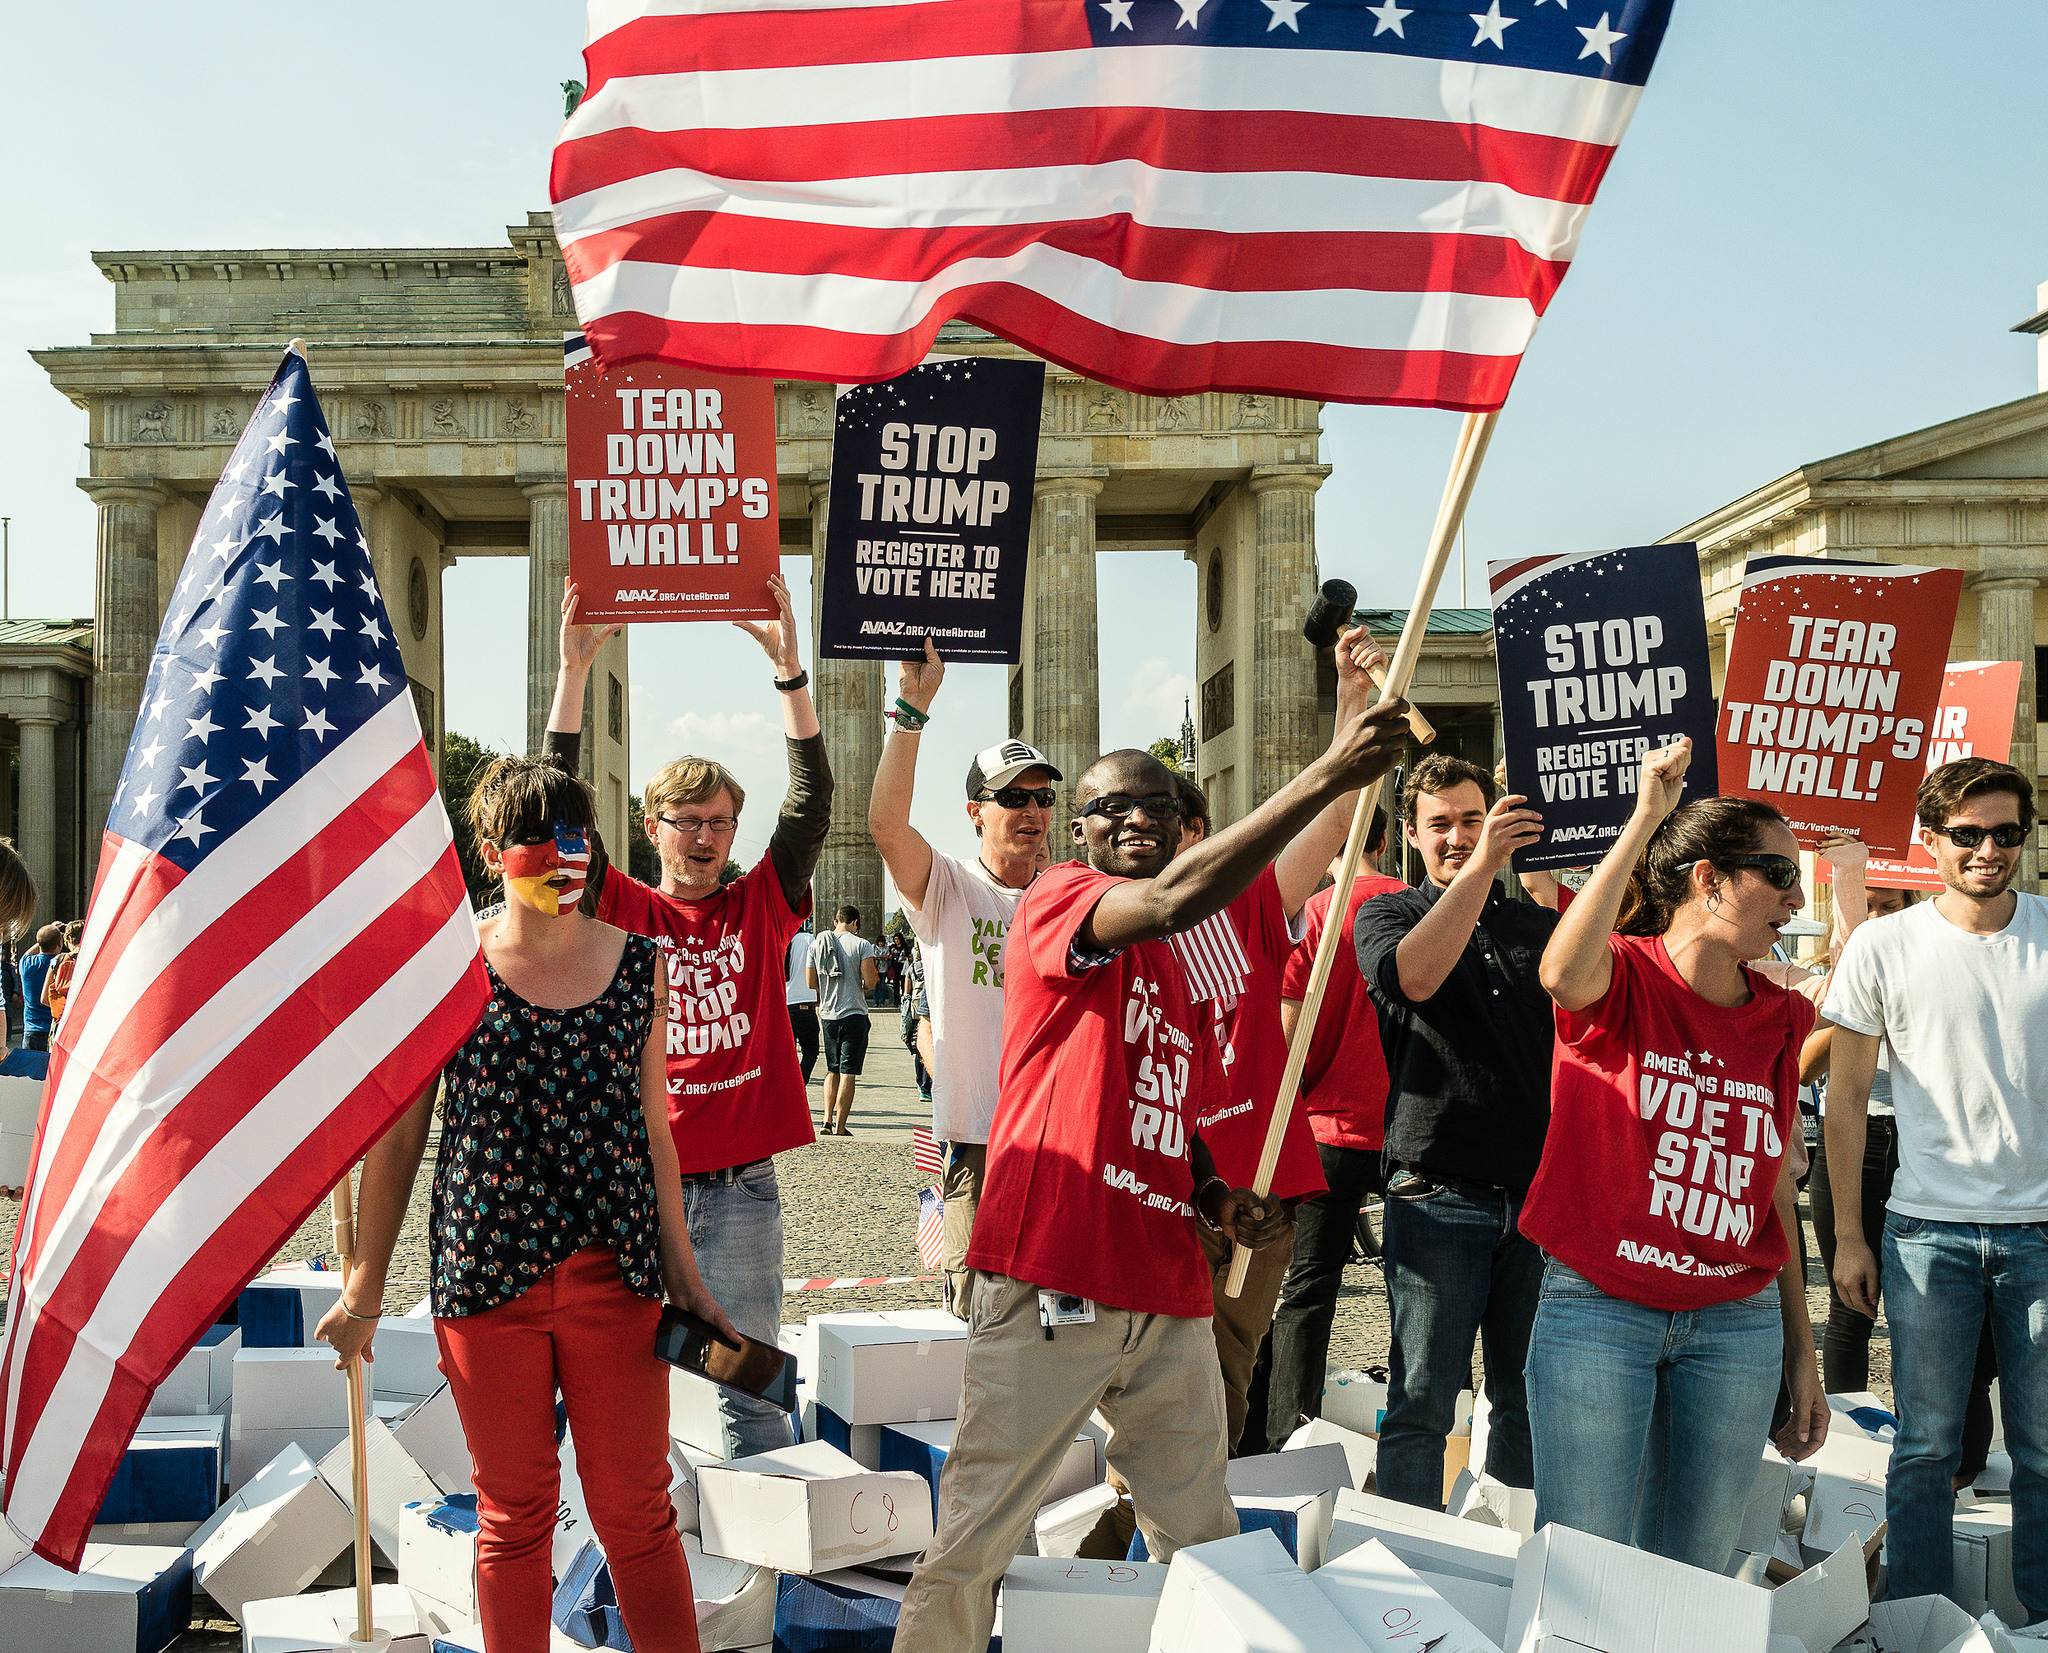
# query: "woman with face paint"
1671, 1297
556, 1229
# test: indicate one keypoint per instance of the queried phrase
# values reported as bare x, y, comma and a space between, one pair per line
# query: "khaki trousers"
1023, 1400
960, 1188
1240, 1325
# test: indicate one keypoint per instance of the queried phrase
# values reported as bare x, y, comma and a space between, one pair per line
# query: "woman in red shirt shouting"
1664, 1200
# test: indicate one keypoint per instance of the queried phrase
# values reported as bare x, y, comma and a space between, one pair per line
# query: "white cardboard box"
249, 1450
693, 1416
318, 1289
1427, 1540
326, 1622
407, 1360
1394, 1609
1059, 1605
1246, 1595
273, 1537
1062, 1526
161, 1535
862, 1442
185, 1481
1982, 1551
920, 1449
1482, 1498
1308, 1513
1305, 1469
901, 1367
431, 1434
204, 1380
121, 1600
1930, 1624
1824, 1603
1361, 1452
395, 1481
1763, 1518
735, 1602
1847, 1496
810, 1509
1356, 1400
1576, 1592
284, 1388
437, 1553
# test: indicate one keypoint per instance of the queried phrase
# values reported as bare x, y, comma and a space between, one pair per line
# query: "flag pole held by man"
279, 952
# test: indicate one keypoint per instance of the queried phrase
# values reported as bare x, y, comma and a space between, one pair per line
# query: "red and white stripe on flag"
924, 1151
931, 1227
1365, 205
272, 969
1213, 961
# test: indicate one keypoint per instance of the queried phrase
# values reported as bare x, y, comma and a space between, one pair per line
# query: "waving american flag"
1329, 198
278, 956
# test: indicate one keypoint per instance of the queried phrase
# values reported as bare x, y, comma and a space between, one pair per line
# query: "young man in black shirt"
1451, 965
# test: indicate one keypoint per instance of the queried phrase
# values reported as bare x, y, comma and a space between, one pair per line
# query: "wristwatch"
790, 685
1202, 1216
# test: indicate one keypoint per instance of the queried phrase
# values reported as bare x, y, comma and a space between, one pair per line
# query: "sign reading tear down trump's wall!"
1602, 656
929, 525
1834, 674
671, 477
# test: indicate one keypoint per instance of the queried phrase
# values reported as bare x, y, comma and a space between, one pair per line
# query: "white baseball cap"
995, 767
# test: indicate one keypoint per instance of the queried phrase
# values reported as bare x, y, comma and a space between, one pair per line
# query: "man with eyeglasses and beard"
736, 1096
1957, 990
961, 912
1090, 1285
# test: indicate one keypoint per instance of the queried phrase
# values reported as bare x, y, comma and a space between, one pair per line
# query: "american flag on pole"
931, 1227
278, 956
1327, 198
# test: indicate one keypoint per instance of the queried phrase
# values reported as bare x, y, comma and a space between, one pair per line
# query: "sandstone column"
851, 696
1284, 732
39, 782
547, 565
2005, 631
128, 612
1065, 681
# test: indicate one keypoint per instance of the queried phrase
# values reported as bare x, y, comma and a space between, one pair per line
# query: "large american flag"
1356, 202
278, 956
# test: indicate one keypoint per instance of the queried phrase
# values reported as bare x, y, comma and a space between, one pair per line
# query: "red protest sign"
671, 491
1834, 673
1974, 720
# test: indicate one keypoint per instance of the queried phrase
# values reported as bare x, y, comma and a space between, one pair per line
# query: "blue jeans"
1457, 1268
736, 1229
1649, 1424
1941, 1282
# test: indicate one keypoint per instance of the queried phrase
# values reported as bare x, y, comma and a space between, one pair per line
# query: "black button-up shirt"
1468, 1068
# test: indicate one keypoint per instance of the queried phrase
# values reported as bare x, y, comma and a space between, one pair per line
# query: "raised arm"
1851, 861
904, 850
1207, 878
1299, 868
1577, 966
799, 836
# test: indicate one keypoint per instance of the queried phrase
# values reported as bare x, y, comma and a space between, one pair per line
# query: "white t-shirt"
962, 924
800, 989
1966, 1021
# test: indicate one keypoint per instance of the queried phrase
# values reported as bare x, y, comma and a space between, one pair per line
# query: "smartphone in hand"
749, 1366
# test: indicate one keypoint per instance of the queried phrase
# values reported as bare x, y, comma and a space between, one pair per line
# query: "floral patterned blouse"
543, 1144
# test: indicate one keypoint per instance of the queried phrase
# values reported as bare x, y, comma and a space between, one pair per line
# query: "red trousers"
581, 1331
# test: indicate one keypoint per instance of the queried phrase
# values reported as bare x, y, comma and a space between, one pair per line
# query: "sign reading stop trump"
1834, 673
671, 491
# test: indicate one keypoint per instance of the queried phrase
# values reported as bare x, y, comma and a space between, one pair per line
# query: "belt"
1457, 1185
730, 1175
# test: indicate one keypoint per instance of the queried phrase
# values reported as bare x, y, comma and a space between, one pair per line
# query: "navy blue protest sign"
929, 517
1602, 655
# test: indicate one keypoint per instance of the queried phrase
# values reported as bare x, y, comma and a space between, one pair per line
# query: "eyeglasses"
1016, 797
2009, 836
1781, 872
1116, 806
690, 825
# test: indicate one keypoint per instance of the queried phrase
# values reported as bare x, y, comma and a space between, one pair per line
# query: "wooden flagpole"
1473, 437
343, 1207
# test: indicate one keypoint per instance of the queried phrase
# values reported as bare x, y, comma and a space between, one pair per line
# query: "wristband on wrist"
790, 685
1203, 1216
908, 716
375, 1314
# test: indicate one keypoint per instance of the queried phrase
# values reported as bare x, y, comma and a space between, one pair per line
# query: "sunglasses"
2009, 836
1781, 872
1016, 797
1116, 806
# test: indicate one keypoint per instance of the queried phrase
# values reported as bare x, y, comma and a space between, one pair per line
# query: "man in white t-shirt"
803, 1001
1957, 991
961, 911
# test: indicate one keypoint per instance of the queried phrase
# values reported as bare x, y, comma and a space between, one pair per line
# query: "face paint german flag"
548, 877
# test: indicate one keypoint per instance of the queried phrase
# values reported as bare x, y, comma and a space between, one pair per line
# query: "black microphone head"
1330, 613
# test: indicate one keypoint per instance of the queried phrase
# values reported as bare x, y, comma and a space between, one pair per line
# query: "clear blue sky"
1825, 219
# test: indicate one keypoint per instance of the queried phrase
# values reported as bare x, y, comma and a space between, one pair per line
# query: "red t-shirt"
735, 1093
1669, 1120
1344, 1084
1231, 964
1089, 1183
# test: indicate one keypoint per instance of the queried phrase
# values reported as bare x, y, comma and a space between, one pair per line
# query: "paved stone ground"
850, 1209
